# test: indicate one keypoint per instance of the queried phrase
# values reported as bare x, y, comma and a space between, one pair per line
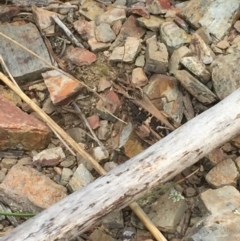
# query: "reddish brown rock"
61, 88
93, 121
81, 56
28, 183
20, 130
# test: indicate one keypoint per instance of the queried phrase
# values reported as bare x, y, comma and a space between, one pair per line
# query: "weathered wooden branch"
128, 182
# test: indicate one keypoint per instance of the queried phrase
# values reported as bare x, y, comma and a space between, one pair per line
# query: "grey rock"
65, 176
140, 61
173, 36
81, 178
104, 33
225, 173
78, 134
8, 162
195, 87
156, 57
91, 10
225, 72
113, 220
197, 68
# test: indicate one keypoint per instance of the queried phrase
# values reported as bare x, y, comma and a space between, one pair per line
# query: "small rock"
152, 23
112, 104
128, 52
129, 29
48, 106
225, 74
91, 9
173, 36
117, 27
113, 220
140, 61
178, 54
225, 173
158, 6
93, 121
190, 192
65, 176
197, 68
156, 57
223, 44
130, 142
139, 78
81, 178
216, 156
104, 33
97, 46
80, 56
201, 50
99, 154
49, 157
112, 15
103, 84
8, 163
28, 184
85, 28
68, 162
61, 88
108, 166
104, 130
237, 26
139, 9
204, 34
165, 95
20, 130
195, 87
78, 134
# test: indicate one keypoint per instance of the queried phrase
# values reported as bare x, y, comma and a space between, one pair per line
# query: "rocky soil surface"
137, 70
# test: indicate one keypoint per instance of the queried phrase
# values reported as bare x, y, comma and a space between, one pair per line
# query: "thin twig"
87, 125
67, 31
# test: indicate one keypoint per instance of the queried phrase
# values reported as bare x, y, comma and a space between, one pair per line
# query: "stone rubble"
183, 55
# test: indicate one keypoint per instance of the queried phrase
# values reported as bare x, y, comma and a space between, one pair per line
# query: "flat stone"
153, 23
158, 6
166, 213
225, 173
85, 28
20, 130
130, 28
111, 103
2, 176
27, 183
81, 178
223, 44
8, 162
195, 87
80, 56
130, 141
237, 26
218, 17
156, 57
68, 162
22, 65
112, 16
96, 46
139, 77
140, 61
104, 33
66, 175
62, 88
128, 52
173, 36
94, 121
204, 34
100, 154
113, 220
197, 68
49, 157
103, 84
48, 107
139, 9
104, 130
177, 55
225, 74
91, 9
165, 95
78, 134
216, 156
